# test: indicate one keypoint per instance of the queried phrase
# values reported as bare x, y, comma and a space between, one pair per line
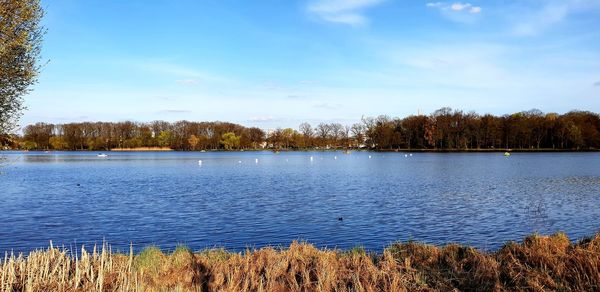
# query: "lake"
233, 201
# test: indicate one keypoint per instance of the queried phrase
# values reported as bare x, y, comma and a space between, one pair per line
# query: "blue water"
165, 199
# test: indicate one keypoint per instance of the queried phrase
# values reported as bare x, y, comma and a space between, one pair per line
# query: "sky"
278, 63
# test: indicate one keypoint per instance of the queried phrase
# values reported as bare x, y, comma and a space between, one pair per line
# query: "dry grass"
540, 263
141, 149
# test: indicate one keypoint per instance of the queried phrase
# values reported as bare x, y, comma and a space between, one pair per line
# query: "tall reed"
539, 263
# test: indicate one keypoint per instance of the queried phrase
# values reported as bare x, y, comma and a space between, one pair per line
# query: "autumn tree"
193, 141
255, 136
444, 129
164, 138
230, 140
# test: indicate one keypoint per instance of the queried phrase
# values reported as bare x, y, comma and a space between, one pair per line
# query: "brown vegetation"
540, 263
444, 129
142, 149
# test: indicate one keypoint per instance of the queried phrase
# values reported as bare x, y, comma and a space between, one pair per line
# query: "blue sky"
272, 63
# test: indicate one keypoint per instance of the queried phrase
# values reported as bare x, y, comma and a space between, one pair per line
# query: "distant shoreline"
489, 150
166, 149
139, 149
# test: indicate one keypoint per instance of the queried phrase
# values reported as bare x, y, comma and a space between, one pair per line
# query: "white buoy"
410, 154
199, 162
256, 160
311, 159
335, 157
239, 161
369, 156
405, 155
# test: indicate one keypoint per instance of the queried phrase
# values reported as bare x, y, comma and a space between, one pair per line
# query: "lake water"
165, 199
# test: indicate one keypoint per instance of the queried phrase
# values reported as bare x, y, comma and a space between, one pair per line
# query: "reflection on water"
247, 199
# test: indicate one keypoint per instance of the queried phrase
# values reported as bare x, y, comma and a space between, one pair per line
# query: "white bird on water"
369, 156
200, 162
239, 161
335, 157
405, 155
311, 159
256, 160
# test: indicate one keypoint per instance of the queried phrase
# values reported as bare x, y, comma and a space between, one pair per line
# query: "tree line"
444, 129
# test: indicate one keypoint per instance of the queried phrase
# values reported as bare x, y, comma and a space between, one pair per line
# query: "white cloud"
475, 10
261, 119
436, 4
350, 12
456, 7
459, 6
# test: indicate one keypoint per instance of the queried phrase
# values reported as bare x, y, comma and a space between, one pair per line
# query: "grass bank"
539, 263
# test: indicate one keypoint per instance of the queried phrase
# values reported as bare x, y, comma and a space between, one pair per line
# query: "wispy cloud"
61, 118
434, 4
261, 119
455, 7
597, 83
309, 82
534, 22
349, 12
272, 85
328, 106
541, 20
295, 96
171, 69
461, 12
187, 75
187, 81
475, 9
174, 111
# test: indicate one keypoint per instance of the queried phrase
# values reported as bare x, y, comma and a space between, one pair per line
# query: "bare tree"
307, 134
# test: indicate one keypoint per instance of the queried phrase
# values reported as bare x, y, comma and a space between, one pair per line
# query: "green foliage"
218, 254
355, 251
182, 256
20, 45
58, 143
230, 141
149, 260
28, 145
164, 138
